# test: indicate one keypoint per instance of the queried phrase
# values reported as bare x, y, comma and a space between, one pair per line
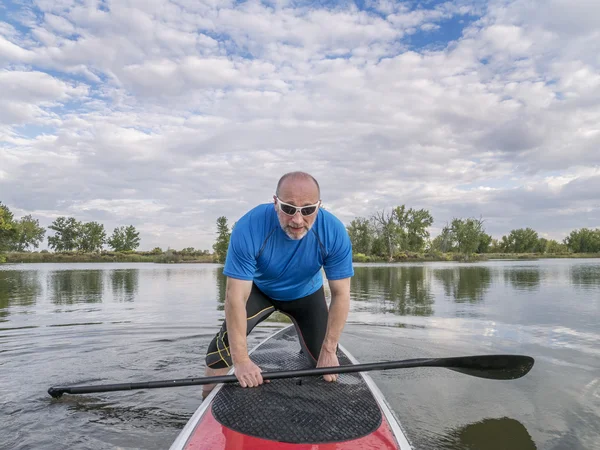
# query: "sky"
166, 115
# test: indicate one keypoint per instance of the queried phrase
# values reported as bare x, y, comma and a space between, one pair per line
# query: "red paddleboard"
296, 413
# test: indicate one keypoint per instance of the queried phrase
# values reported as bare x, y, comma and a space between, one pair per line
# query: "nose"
297, 218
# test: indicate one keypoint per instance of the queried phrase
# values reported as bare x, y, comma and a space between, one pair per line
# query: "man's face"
297, 192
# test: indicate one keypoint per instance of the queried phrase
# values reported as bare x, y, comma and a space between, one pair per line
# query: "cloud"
171, 114
28, 95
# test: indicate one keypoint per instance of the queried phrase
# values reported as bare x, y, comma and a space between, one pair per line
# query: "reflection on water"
585, 276
523, 278
67, 287
124, 284
221, 281
490, 434
465, 284
156, 317
395, 289
18, 288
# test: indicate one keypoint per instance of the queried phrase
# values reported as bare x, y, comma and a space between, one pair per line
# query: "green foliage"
8, 230
6, 218
387, 231
444, 242
222, 244
378, 246
467, 234
416, 229
522, 240
92, 237
124, 239
495, 247
485, 241
67, 233
583, 241
554, 246
361, 234
169, 256
402, 229
360, 258
541, 246
156, 251
28, 234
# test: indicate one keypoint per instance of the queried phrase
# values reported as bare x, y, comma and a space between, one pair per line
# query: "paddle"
494, 367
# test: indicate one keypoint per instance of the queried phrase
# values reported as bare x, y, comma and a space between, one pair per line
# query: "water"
110, 323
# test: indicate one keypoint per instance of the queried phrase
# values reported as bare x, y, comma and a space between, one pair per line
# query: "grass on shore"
438, 256
181, 257
106, 256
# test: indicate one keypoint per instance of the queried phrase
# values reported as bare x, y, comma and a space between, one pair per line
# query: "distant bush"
361, 258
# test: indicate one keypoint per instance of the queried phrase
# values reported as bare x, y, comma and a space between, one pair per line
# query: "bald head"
295, 178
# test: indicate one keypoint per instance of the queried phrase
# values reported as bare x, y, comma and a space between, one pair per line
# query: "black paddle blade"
56, 392
494, 367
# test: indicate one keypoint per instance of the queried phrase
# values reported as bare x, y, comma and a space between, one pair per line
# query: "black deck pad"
305, 410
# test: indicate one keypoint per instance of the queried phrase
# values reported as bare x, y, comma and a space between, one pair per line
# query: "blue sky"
169, 114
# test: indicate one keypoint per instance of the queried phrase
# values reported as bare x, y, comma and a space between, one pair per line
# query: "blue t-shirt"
284, 268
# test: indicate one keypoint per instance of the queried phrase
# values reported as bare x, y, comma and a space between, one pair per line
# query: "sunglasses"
291, 210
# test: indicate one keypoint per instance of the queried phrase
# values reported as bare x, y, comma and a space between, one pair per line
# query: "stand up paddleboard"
295, 413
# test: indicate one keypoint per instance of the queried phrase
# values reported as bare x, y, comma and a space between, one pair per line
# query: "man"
274, 262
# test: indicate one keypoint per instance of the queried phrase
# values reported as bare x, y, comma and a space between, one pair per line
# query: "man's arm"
338, 314
236, 296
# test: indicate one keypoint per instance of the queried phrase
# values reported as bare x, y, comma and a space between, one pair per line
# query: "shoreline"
107, 257
176, 258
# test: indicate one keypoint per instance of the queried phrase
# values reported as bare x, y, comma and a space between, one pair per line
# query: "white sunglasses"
291, 210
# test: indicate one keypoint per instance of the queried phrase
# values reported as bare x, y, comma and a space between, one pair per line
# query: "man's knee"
217, 355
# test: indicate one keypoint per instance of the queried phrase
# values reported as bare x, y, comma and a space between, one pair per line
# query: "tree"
401, 217
66, 236
541, 246
467, 234
28, 234
522, 240
556, 247
444, 241
92, 237
495, 246
583, 241
222, 244
8, 230
124, 239
361, 234
485, 241
387, 229
416, 229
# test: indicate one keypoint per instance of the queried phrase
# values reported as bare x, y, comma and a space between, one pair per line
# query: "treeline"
80, 241
387, 234
69, 235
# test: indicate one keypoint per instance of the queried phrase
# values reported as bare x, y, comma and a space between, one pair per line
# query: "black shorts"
309, 315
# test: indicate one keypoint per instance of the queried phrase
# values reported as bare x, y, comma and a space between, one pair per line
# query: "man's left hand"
328, 359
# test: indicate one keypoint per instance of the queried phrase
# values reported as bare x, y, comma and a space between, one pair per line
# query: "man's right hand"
248, 373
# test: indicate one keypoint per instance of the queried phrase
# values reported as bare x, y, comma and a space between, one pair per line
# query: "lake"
66, 324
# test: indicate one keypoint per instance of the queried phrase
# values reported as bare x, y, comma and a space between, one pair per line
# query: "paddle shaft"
500, 367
